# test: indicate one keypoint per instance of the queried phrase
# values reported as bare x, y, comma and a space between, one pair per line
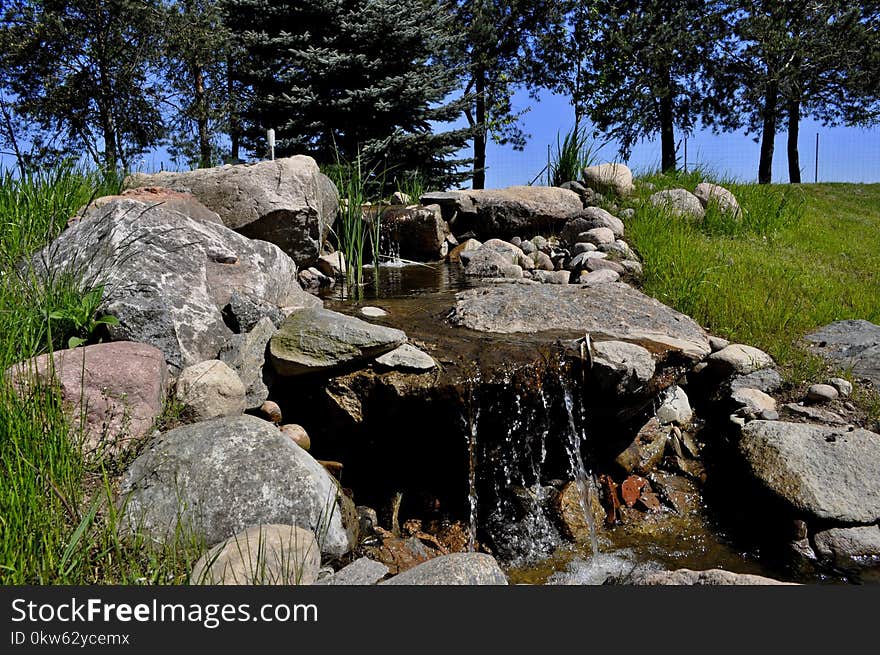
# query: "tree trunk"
234, 127
108, 122
667, 135
794, 161
202, 119
479, 178
768, 133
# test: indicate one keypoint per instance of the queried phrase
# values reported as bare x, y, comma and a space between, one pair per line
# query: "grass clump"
574, 152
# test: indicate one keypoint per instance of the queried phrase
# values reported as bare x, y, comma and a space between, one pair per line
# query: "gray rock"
452, 203
542, 261
244, 311
419, 232
214, 479
844, 387
850, 547
578, 248
613, 311
739, 359
511, 252
675, 407
551, 277
453, 569
362, 571
210, 389
489, 263
541, 244
618, 248
827, 472
288, 202
627, 214
588, 219
332, 265
528, 247
579, 262
319, 339
767, 380
850, 345
621, 366
710, 577
712, 193
598, 264
679, 202
816, 414
614, 178
594, 278
407, 358
167, 277
400, 198
262, 555
246, 355
373, 312
754, 402
717, 343
632, 268
821, 393
597, 236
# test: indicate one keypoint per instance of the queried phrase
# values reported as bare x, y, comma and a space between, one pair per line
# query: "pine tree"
348, 78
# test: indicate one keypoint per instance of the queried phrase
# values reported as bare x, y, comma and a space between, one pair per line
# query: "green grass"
57, 517
799, 258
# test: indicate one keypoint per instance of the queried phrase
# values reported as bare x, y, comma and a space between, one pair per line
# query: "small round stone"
821, 393
373, 312
844, 387
271, 411
298, 434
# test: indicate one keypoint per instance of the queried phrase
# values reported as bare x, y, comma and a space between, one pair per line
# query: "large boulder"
261, 555
318, 339
612, 311
512, 211
167, 277
453, 569
185, 203
288, 202
829, 473
214, 479
679, 202
850, 547
850, 345
417, 233
116, 389
616, 178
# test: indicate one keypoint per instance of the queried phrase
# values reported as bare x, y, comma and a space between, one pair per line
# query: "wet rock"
739, 359
708, 194
679, 202
332, 265
613, 311
210, 389
407, 358
167, 276
821, 393
246, 355
677, 492
373, 312
396, 553
646, 450
753, 402
362, 571
622, 367
319, 339
568, 509
712, 577
613, 178
851, 345
116, 391
631, 489
844, 387
214, 479
675, 407
420, 232
826, 472
850, 548
453, 569
298, 435
288, 202
262, 555
767, 380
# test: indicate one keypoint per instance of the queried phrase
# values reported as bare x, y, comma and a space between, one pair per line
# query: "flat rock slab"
214, 479
320, 339
850, 344
362, 571
608, 311
453, 569
407, 358
830, 473
118, 388
710, 577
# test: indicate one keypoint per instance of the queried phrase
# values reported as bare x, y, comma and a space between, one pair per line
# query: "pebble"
298, 434
821, 393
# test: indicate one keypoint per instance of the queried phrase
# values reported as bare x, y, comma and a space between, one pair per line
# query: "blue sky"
845, 154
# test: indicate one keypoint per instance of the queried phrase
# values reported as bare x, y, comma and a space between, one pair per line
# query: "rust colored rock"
333, 468
299, 436
646, 450
569, 509
631, 489
272, 412
399, 554
650, 502
610, 499
117, 389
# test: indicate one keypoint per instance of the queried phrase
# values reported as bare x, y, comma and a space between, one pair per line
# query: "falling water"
582, 478
471, 435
